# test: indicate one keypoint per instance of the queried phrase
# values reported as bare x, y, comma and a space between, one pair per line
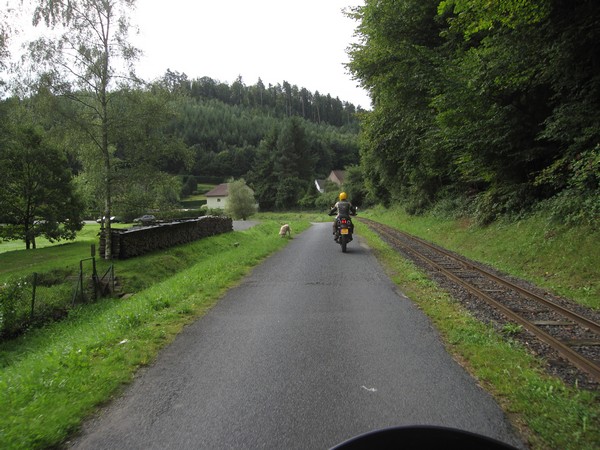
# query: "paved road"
314, 347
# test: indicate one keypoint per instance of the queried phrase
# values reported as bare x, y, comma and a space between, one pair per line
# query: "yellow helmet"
343, 196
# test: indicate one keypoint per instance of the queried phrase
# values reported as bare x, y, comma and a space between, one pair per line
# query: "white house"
216, 198
336, 176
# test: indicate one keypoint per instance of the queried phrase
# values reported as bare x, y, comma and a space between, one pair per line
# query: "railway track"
574, 335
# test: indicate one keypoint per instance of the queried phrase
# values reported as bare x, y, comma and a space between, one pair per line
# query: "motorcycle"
422, 438
344, 229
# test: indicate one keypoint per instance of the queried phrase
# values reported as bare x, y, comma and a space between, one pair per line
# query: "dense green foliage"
493, 105
291, 157
225, 139
37, 194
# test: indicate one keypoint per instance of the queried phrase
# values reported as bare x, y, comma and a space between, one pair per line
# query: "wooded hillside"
225, 125
482, 108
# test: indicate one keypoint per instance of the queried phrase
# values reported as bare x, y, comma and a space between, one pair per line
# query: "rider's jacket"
343, 209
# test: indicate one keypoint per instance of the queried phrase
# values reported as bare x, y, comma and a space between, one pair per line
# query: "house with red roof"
336, 176
216, 198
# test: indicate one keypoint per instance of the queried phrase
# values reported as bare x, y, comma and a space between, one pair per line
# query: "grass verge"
549, 414
53, 378
563, 259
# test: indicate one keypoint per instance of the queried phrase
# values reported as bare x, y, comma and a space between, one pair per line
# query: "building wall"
216, 202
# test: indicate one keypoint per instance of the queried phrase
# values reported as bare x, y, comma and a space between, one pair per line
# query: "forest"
225, 125
484, 109
480, 109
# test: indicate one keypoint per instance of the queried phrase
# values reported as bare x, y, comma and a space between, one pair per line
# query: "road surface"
311, 349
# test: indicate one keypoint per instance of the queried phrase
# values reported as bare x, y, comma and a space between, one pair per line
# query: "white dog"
285, 229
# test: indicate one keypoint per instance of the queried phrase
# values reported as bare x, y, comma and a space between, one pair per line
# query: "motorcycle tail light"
344, 221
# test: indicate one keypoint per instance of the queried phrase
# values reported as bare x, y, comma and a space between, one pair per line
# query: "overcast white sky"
303, 42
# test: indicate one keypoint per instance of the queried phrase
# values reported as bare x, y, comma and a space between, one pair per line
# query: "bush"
326, 200
417, 205
451, 207
571, 208
13, 306
240, 203
510, 202
289, 191
217, 212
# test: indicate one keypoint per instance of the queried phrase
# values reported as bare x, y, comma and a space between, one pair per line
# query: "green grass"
193, 202
549, 414
203, 188
86, 234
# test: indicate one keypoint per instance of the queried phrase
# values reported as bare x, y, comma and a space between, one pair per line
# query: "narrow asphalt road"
311, 349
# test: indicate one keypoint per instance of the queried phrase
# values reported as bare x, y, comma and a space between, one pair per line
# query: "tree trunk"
104, 80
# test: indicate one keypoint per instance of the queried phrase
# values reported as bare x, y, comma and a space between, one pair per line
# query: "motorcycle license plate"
344, 231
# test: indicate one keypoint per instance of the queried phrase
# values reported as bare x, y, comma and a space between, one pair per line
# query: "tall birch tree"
86, 56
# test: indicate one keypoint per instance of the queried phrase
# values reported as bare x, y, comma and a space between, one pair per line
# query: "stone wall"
136, 241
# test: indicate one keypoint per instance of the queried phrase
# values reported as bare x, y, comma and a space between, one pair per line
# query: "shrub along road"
312, 348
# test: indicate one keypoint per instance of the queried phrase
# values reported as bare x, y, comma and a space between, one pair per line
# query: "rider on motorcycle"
342, 208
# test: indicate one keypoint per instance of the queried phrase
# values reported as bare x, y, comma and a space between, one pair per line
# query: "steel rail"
575, 358
581, 320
